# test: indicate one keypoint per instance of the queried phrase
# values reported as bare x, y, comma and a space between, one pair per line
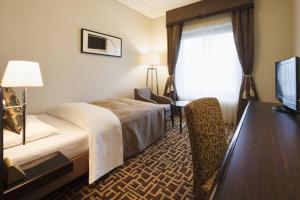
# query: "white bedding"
104, 135
69, 139
35, 130
80, 128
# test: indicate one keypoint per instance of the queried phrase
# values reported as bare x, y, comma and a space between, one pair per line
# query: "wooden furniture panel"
38, 174
265, 161
80, 167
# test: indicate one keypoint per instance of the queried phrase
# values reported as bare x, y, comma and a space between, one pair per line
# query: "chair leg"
172, 116
165, 121
173, 123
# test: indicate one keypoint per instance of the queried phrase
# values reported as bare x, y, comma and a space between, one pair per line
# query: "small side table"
39, 173
180, 105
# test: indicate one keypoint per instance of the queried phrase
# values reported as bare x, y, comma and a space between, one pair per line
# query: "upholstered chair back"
208, 142
144, 92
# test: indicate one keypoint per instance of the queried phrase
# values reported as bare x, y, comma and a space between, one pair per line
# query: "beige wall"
297, 26
48, 31
273, 41
159, 44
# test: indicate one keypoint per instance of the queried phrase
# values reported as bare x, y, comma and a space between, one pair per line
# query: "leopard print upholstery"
208, 141
209, 183
13, 116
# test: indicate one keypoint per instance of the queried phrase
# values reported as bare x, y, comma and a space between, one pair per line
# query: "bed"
140, 125
69, 139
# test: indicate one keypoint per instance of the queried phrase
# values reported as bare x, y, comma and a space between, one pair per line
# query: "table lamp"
22, 74
151, 59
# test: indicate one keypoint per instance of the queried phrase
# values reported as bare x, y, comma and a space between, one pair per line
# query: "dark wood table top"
265, 161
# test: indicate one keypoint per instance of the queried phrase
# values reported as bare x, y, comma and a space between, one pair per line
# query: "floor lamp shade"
22, 74
151, 59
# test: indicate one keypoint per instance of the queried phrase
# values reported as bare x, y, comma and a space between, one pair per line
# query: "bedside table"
38, 174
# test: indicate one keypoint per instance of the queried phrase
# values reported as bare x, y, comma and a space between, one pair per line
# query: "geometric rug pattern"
162, 171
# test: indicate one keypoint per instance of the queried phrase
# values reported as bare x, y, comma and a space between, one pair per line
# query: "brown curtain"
174, 37
243, 30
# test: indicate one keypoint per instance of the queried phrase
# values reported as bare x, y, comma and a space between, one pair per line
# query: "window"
208, 64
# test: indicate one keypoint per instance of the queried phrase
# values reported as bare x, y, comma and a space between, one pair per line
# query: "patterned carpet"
162, 171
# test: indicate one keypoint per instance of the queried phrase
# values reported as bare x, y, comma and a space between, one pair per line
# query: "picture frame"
93, 42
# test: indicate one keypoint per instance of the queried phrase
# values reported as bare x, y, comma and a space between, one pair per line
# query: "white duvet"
104, 135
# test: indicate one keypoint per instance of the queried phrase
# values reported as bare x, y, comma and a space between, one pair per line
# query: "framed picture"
102, 44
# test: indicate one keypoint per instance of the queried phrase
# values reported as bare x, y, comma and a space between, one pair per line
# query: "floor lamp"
22, 74
151, 59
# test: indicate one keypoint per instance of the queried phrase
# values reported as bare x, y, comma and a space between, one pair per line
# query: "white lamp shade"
151, 58
22, 74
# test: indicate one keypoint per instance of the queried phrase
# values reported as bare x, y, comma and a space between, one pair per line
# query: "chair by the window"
146, 95
208, 142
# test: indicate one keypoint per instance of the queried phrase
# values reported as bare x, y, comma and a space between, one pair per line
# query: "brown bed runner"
142, 123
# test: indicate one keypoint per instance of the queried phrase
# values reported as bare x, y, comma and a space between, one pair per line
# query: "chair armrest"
162, 99
140, 98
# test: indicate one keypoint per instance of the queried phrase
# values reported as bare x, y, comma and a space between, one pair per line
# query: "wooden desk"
264, 160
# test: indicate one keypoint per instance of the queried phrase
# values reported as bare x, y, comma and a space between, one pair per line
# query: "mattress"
69, 139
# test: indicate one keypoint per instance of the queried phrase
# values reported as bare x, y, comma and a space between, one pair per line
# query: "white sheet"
35, 130
69, 139
104, 131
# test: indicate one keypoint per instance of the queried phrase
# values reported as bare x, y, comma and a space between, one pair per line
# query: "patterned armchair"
208, 142
146, 95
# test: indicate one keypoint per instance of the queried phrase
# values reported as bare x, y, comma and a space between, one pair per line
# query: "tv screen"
286, 83
95, 42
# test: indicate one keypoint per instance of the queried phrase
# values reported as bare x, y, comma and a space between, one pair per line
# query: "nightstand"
38, 174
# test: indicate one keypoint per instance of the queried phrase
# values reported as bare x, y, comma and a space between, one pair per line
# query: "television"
287, 75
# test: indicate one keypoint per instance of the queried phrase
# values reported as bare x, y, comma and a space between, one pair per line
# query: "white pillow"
35, 130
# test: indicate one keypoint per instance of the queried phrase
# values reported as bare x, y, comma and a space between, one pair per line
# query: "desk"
263, 160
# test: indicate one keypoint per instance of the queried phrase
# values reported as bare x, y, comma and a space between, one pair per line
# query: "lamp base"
24, 95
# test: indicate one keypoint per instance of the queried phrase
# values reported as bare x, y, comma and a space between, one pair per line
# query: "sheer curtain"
208, 64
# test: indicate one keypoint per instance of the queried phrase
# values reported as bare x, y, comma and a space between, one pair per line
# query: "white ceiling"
155, 8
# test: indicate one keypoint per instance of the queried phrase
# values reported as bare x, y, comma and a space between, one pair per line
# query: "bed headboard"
1, 143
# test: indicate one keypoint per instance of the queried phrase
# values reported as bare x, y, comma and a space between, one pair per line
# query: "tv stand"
284, 109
